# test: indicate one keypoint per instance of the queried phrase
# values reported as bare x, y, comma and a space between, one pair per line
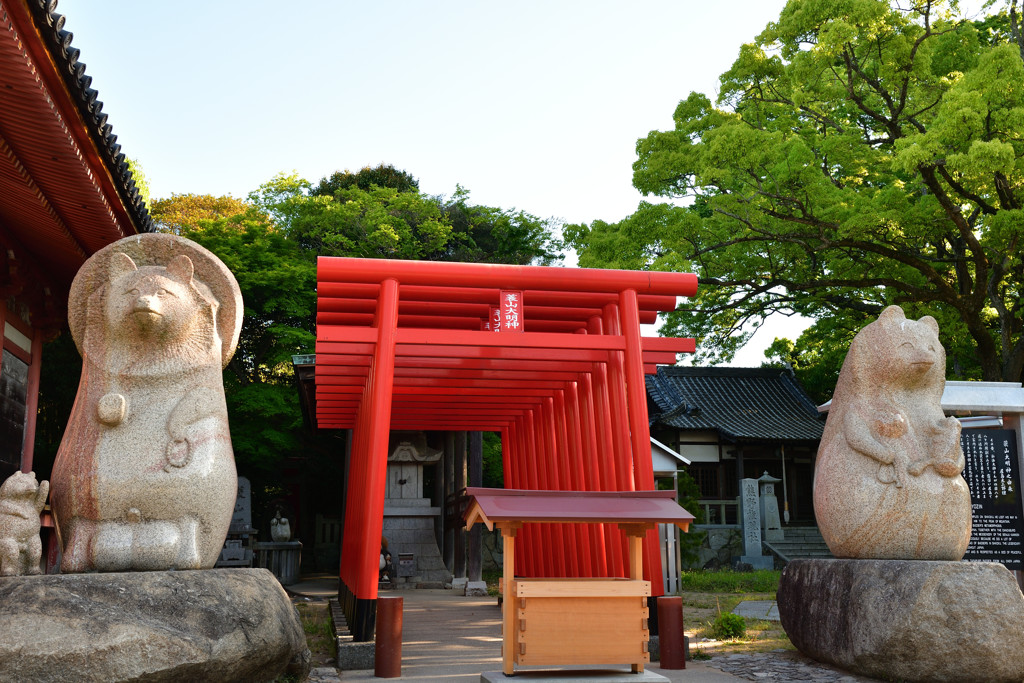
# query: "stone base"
757, 561
203, 625
654, 648
353, 656
476, 589
906, 620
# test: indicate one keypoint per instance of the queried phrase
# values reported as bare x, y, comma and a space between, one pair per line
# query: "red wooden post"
671, 646
614, 540
378, 428
636, 392
564, 460
617, 396
387, 650
591, 468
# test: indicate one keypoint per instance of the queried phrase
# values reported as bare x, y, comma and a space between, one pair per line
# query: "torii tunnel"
551, 358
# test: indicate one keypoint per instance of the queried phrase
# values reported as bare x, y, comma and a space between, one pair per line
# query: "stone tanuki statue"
280, 529
21, 501
145, 476
887, 482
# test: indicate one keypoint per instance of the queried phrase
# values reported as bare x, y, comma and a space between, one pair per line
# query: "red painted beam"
328, 291
336, 269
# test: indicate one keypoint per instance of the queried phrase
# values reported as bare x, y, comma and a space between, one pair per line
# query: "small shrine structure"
583, 620
551, 358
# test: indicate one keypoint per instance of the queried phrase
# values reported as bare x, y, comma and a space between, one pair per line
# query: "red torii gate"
408, 345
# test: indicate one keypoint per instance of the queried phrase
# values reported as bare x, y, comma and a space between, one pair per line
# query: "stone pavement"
449, 637
758, 609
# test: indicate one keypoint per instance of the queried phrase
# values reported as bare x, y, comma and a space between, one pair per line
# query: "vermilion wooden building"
65, 192
551, 358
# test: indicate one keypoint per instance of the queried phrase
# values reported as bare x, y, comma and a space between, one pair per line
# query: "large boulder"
213, 625
907, 620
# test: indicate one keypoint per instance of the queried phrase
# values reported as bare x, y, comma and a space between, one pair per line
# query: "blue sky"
532, 105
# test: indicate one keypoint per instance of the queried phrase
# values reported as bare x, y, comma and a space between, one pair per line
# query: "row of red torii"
551, 358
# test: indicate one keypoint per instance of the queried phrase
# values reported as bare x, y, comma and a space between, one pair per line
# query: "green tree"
493, 235
184, 211
381, 176
384, 221
862, 153
139, 176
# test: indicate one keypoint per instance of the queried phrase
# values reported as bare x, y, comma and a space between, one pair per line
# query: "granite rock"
21, 500
887, 481
906, 620
217, 625
145, 476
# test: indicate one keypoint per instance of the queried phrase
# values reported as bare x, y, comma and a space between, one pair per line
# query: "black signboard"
993, 476
13, 392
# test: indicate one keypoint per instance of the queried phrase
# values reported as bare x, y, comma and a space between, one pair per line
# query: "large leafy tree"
861, 153
383, 175
350, 214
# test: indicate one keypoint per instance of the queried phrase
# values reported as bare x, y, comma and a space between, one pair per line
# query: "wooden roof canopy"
65, 187
490, 506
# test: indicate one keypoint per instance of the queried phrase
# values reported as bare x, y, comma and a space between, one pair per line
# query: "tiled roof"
742, 404
58, 43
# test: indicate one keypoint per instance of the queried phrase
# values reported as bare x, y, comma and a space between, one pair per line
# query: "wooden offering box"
575, 621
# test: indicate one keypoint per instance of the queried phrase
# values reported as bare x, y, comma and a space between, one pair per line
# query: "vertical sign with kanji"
494, 324
511, 308
993, 476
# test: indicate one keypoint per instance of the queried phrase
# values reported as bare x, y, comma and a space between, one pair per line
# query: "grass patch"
316, 622
728, 581
710, 597
491, 577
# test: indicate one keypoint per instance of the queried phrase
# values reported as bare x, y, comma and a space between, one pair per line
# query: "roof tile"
740, 403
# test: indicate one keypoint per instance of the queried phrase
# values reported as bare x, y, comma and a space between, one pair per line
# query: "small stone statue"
145, 476
21, 501
887, 482
280, 530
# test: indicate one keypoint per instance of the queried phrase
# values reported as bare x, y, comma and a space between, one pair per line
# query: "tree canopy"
383, 175
861, 153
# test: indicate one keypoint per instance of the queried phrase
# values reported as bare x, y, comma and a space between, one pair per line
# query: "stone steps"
800, 542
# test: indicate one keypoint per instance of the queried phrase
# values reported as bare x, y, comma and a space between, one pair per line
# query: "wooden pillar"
639, 427
476, 476
508, 603
364, 515
614, 549
449, 491
460, 483
31, 401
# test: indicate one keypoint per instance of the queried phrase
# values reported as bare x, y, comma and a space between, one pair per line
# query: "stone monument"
893, 507
21, 501
144, 483
145, 477
752, 554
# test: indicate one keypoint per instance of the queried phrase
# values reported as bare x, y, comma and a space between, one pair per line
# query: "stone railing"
720, 513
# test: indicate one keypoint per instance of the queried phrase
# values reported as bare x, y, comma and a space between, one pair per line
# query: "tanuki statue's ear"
892, 314
120, 264
181, 269
930, 322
